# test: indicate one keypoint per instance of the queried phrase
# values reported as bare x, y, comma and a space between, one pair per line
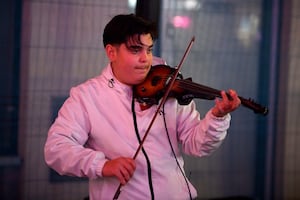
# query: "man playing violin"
100, 125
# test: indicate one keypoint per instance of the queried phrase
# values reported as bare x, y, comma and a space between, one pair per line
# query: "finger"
121, 177
235, 98
131, 165
130, 168
126, 169
224, 95
125, 175
233, 95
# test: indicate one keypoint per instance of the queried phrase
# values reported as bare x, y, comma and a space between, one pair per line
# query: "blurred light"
192, 4
132, 3
248, 30
181, 21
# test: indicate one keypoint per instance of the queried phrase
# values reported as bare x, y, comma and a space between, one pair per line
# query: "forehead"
140, 40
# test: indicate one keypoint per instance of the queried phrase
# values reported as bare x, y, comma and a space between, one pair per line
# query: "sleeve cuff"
99, 163
227, 116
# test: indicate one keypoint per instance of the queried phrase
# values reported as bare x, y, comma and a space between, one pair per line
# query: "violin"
153, 88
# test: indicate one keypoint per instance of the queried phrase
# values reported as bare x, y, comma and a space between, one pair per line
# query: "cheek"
127, 70
128, 60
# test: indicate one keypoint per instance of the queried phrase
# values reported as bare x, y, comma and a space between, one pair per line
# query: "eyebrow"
139, 46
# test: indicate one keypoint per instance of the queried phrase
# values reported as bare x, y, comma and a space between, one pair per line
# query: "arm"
64, 148
202, 137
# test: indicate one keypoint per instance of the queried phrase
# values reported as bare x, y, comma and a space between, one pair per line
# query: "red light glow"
181, 21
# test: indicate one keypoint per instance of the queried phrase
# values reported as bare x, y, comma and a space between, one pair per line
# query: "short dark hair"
122, 28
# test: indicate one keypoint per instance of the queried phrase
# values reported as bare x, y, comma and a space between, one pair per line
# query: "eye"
134, 49
150, 50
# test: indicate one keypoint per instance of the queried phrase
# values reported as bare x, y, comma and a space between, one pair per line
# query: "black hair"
122, 28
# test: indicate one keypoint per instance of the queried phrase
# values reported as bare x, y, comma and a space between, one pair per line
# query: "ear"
111, 52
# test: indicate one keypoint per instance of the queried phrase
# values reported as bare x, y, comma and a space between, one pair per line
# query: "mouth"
142, 68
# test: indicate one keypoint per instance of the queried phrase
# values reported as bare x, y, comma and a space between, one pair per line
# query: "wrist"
217, 112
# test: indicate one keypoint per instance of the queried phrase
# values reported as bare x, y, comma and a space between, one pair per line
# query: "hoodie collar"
113, 82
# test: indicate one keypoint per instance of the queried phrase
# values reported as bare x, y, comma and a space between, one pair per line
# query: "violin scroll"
257, 108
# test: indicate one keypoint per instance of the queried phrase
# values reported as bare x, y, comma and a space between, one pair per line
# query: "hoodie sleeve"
201, 137
64, 149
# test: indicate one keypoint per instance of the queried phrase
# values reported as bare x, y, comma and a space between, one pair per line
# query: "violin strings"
192, 85
183, 84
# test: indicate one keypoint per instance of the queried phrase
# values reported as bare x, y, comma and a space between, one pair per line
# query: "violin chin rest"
185, 99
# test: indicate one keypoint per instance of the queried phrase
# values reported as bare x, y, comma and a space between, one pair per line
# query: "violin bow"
162, 102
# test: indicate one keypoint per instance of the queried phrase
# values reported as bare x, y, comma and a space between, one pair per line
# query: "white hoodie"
95, 124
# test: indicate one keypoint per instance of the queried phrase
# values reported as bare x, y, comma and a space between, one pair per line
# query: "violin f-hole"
155, 80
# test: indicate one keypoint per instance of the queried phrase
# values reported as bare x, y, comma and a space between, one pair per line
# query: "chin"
139, 80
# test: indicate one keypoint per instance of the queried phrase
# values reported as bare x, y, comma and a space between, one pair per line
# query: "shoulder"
97, 83
89, 89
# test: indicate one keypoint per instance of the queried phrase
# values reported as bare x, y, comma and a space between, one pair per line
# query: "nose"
144, 56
